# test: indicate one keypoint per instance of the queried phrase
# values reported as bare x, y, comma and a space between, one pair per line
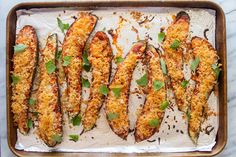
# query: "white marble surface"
229, 7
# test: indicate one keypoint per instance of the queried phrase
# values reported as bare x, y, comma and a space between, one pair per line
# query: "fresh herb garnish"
85, 83
74, 138
15, 79
62, 26
50, 67
157, 85
161, 36
66, 60
57, 138
116, 92
216, 70
112, 116
194, 64
163, 66
76, 120
86, 64
19, 48
32, 101
103, 90
164, 105
143, 81
188, 115
175, 44
154, 122
29, 123
184, 83
58, 54
119, 60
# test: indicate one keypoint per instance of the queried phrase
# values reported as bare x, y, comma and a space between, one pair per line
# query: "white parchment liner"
101, 138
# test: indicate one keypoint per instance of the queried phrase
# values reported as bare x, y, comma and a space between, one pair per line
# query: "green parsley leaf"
19, 48
161, 36
58, 54
175, 44
116, 92
50, 67
216, 70
86, 64
103, 90
36, 114
163, 66
57, 138
143, 81
62, 26
66, 60
112, 116
184, 83
29, 123
164, 105
15, 79
119, 60
154, 122
157, 85
188, 115
76, 120
194, 64
32, 101
85, 83
74, 138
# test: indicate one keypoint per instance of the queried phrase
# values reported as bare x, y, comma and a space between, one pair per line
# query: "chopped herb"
104, 29
184, 83
85, 83
119, 60
216, 70
15, 79
175, 44
161, 36
103, 90
163, 66
112, 116
86, 64
50, 67
58, 54
57, 138
62, 26
143, 81
194, 64
32, 101
116, 92
66, 60
29, 123
164, 105
74, 138
36, 114
19, 48
188, 115
76, 120
154, 122
157, 85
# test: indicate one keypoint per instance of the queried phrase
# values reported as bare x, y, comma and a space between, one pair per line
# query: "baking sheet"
101, 138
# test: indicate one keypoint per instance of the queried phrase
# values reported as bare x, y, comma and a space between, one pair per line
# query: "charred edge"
182, 14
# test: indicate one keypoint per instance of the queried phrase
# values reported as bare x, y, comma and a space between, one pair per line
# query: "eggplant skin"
100, 57
119, 105
154, 99
73, 46
205, 81
24, 65
178, 30
48, 104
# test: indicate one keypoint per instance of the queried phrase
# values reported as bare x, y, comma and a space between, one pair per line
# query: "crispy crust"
122, 79
24, 64
178, 30
48, 107
73, 46
100, 59
151, 109
205, 81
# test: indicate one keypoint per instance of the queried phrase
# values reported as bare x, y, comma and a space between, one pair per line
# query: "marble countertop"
229, 7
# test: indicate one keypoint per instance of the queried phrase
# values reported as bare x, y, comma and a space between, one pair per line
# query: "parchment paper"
173, 136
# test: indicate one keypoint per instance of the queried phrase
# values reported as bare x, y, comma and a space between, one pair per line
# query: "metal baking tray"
220, 41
